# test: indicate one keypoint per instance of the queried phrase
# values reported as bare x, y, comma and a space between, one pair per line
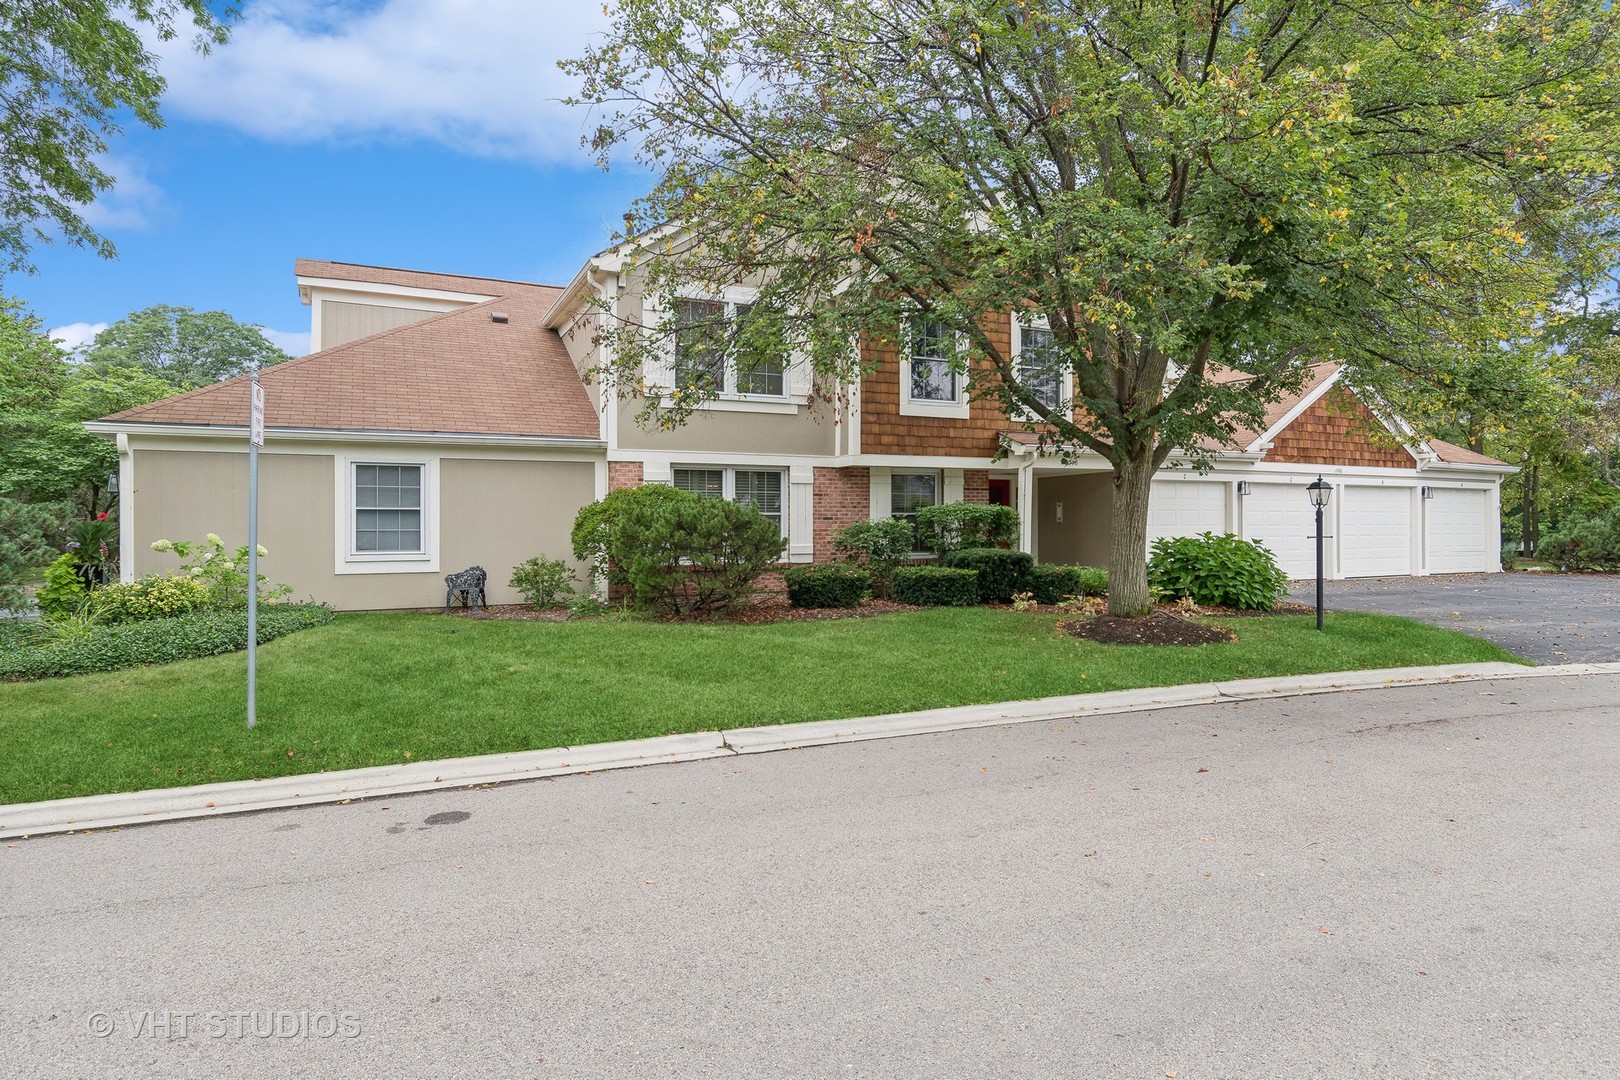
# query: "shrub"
876, 546
29, 533
63, 592
1583, 542
954, 526
1001, 572
543, 582
154, 597
224, 573
829, 585
936, 586
595, 525
1223, 571
1051, 584
693, 553
1093, 580
153, 641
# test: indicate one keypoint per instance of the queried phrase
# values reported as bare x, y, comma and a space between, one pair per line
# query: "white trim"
307, 285
348, 561
878, 493
1065, 384
802, 506
341, 435
957, 409
126, 510
951, 486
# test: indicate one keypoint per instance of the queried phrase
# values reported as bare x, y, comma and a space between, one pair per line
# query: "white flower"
213, 538
262, 552
162, 545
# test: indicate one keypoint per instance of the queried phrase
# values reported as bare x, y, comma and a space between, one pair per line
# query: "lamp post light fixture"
1320, 492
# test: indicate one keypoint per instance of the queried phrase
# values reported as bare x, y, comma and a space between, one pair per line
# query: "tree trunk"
1127, 545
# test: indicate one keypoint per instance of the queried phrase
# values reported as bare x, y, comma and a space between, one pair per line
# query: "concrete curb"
242, 796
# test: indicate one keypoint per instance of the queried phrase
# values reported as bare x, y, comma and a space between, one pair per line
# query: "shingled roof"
459, 372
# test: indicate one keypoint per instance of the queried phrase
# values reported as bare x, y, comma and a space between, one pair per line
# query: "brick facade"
843, 496
976, 485
1338, 430
624, 474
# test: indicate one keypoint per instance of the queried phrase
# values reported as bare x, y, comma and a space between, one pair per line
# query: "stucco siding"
808, 430
1082, 536
492, 513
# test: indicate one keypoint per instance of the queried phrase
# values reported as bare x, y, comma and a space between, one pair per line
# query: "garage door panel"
1459, 539
1186, 508
1375, 524
1281, 517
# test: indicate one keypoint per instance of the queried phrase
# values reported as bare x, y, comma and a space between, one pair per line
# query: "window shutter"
659, 370
801, 378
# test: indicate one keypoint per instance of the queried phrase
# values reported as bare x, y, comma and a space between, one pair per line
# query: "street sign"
257, 426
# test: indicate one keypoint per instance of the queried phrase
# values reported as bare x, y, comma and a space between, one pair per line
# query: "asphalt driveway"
1548, 618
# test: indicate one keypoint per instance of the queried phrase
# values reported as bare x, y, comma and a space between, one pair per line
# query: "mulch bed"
1159, 628
766, 608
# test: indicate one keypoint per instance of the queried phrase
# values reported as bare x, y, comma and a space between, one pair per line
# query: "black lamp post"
1320, 492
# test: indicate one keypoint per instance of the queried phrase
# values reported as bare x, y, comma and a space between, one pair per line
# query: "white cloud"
294, 343
479, 76
133, 202
75, 336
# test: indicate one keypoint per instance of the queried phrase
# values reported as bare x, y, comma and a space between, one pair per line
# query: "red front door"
1000, 492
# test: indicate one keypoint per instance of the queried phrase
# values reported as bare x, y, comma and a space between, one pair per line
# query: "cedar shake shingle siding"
885, 431
1337, 430
455, 373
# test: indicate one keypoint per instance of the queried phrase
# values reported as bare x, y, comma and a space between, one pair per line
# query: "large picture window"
388, 509
759, 488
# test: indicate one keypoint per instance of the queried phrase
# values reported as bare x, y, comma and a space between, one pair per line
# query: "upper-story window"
1041, 367
930, 383
705, 360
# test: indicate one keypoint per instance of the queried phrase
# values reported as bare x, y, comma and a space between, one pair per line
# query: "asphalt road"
1548, 618
1415, 882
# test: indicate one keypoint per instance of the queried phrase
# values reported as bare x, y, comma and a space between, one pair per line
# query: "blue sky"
417, 133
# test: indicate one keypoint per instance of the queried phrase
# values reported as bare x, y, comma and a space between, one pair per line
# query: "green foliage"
595, 525
953, 526
152, 641
544, 582
71, 75
222, 572
935, 586
1583, 542
94, 541
827, 585
1220, 571
29, 534
156, 596
183, 347
693, 554
64, 590
1052, 584
1001, 572
877, 547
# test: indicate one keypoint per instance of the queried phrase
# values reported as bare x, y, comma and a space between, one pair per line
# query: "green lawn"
385, 688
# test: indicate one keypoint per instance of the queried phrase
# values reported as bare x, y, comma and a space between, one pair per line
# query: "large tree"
1176, 186
184, 347
69, 74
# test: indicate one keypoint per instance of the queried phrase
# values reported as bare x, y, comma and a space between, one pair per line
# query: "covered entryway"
1186, 508
1375, 525
1459, 541
1280, 517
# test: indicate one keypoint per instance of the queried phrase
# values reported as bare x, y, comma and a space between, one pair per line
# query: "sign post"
255, 440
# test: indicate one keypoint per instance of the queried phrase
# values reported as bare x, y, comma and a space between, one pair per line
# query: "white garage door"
1376, 531
1459, 539
1280, 516
1186, 508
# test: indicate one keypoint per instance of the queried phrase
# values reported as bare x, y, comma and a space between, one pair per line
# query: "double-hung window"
705, 358
908, 492
759, 488
388, 509
932, 347
1041, 368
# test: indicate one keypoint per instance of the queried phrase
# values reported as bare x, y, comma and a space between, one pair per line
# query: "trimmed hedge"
827, 585
1052, 584
956, 526
935, 586
1001, 572
1217, 571
152, 641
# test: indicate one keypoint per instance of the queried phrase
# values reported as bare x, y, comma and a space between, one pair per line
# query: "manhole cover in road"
448, 817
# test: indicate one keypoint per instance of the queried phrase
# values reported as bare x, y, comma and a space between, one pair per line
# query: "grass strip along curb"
208, 800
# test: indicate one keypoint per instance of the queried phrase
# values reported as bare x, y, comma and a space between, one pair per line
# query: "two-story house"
443, 421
